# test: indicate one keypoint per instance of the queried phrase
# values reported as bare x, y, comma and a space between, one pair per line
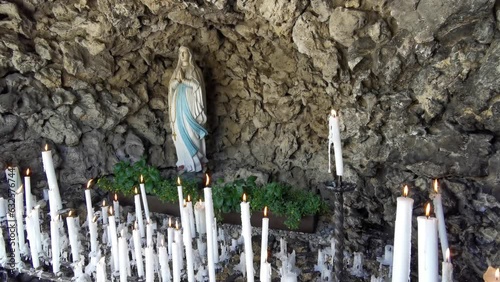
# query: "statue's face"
184, 54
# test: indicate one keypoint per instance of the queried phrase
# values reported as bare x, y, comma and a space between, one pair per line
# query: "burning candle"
144, 198
402, 238
138, 250
170, 236
188, 246
199, 215
447, 269
54, 237
48, 165
427, 247
138, 212
93, 234
104, 212
73, 235
88, 202
334, 138
209, 219
190, 216
263, 243
114, 240
246, 230
438, 210
116, 207
27, 185
181, 200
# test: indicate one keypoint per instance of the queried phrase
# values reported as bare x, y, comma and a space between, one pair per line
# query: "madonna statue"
186, 99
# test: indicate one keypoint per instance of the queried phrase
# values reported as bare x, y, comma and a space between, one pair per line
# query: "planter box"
306, 225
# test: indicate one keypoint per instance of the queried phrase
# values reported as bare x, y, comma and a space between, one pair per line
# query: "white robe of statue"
187, 102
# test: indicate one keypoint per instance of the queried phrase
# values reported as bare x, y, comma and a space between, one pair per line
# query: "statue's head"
184, 54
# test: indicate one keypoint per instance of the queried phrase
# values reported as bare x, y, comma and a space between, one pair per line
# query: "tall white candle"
114, 240
209, 218
199, 215
265, 272
35, 221
334, 138
138, 212
181, 203
93, 234
438, 210
263, 243
116, 207
31, 238
138, 250
144, 199
246, 230
447, 268
54, 238
19, 202
72, 234
176, 267
402, 238
149, 234
170, 236
101, 270
188, 246
88, 202
123, 252
150, 275
104, 212
427, 248
190, 216
178, 240
163, 259
48, 165
27, 186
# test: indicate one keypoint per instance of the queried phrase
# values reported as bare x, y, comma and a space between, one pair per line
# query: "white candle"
438, 210
402, 238
54, 238
214, 239
116, 207
178, 240
199, 215
144, 198
88, 202
190, 216
104, 212
334, 138
265, 271
263, 243
123, 252
101, 270
19, 203
176, 268
27, 186
31, 238
149, 234
188, 246
138, 212
114, 240
447, 268
35, 225
181, 203
246, 230
150, 264
138, 251
72, 234
93, 234
170, 236
163, 258
209, 217
427, 248
48, 165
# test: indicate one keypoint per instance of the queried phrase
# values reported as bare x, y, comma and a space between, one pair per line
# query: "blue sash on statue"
185, 118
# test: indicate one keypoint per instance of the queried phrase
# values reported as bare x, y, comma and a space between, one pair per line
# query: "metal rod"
338, 236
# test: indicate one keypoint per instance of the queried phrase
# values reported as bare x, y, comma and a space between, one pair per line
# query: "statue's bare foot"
181, 169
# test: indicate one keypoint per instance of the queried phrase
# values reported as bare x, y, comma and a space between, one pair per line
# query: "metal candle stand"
339, 188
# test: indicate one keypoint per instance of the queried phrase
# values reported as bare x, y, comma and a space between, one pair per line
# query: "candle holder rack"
339, 188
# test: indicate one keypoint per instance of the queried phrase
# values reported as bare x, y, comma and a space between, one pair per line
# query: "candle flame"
334, 113
189, 198
116, 197
265, 211
447, 254
46, 147
184, 204
136, 191
497, 274
94, 220
142, 179
70, 214
28, 172
436, 186
103, 203
177, 224
405, 191
110, 210
89, 183
428, 209
169, 222
178, 181
207, 182
244, 197
20, 190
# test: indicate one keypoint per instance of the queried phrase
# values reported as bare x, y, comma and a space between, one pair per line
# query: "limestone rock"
344, 23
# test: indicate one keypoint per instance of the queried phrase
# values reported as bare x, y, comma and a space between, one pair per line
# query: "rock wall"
416, 83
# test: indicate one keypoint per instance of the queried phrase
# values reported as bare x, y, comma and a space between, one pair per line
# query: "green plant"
228, 196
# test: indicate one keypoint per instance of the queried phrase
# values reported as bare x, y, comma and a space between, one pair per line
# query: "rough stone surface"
416, 84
